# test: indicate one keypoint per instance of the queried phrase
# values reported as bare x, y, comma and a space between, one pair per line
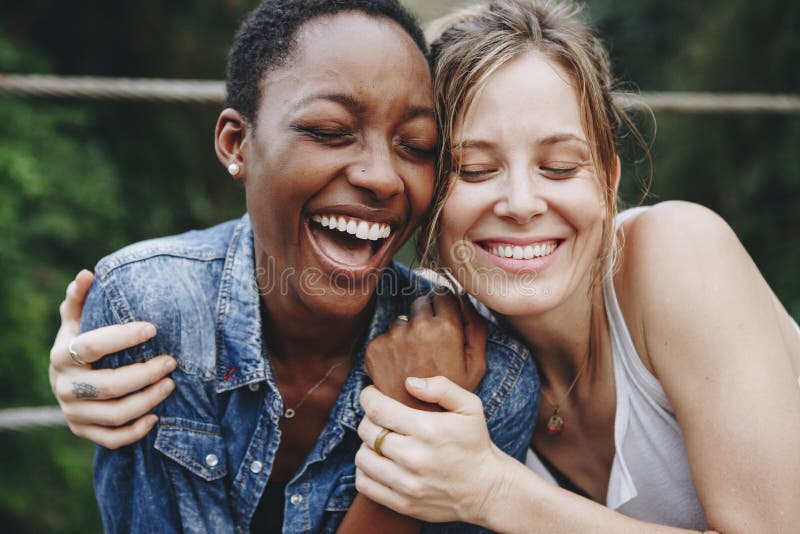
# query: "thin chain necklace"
289, 413
555, 425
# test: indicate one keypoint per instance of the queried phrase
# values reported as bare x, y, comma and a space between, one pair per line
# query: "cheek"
419, 189
462, 211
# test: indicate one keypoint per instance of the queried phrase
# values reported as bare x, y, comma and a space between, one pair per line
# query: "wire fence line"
213, 92
15, 419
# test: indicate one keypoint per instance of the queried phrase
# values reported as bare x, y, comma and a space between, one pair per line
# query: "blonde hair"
471, 44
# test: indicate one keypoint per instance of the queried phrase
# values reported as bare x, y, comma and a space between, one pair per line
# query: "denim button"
296, 499
256, 467
212, 460
254, 386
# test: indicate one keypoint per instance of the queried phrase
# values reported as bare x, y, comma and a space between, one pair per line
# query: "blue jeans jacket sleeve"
134, 485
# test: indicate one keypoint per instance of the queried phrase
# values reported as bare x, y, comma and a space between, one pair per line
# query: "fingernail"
168, 386
171, 364
151, 419
416, 383
148, 331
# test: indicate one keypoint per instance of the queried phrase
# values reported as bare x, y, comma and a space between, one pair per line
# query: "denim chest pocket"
196, 446
342, 495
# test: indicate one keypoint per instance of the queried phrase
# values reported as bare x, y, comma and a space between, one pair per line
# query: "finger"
421, 307
439, 390
113, 383
389, 413
392, 443
76, 296
382, 469
379, 493
398, 323
94, 344
117, 412
114, 438
475, 335
446, 306
475, 329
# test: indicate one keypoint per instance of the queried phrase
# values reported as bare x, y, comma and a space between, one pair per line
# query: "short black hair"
266, 40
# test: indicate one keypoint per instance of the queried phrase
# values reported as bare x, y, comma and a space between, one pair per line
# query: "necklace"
289, 413
555, 425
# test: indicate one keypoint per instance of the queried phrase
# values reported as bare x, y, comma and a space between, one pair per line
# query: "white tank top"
650, 478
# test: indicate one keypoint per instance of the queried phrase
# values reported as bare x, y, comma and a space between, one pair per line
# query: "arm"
713, 335
444, 467
97, 402
130, 479
442, 337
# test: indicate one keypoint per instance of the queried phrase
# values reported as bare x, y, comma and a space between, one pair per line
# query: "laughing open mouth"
349, 240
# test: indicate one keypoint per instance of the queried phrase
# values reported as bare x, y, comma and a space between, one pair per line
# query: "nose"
520, 199
376, 172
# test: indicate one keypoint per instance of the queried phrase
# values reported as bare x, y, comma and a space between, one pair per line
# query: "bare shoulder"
676, 242
679, 262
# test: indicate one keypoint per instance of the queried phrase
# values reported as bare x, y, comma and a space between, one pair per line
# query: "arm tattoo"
82, 390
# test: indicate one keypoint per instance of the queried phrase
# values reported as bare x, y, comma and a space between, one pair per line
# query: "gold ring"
402, 318
379, 440
74, 355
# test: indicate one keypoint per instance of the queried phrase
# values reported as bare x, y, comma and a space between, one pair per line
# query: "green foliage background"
79, 179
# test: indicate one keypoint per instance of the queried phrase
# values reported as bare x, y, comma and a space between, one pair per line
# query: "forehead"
353, 53
529, 95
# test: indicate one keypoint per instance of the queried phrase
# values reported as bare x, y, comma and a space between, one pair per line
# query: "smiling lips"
517, 252
349, 242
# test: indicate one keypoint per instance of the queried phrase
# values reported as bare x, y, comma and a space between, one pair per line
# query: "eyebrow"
355, 107
561, 138
549, 140
345, 100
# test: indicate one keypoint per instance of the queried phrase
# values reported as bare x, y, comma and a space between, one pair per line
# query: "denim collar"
240, 359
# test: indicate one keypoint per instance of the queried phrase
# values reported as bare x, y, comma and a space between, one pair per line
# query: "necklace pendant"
289, 413
555, 425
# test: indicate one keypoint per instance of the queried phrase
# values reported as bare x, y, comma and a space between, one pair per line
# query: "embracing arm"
444, 467
718, 344
105, 405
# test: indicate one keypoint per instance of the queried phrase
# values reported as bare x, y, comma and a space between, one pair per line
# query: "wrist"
500, 474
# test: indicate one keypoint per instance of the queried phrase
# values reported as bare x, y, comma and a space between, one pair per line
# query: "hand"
444, 336
97, 401
436, 467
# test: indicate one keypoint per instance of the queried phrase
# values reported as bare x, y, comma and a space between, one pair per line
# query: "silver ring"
74, 355
403, 318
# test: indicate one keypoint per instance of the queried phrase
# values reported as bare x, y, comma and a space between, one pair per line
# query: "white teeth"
361, 229
375, 232
527, 252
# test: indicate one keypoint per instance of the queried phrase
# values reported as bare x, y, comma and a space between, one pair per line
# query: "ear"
229, 140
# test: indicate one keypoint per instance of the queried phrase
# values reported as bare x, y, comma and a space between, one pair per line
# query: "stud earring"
234, 169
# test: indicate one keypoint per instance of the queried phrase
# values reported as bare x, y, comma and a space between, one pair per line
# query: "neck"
293, 334
560, 338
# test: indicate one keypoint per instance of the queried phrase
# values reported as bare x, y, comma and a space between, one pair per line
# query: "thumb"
450, 396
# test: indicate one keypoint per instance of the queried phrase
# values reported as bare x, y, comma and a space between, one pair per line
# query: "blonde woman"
669, 369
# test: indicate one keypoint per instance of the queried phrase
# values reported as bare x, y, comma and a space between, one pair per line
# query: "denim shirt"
205, 464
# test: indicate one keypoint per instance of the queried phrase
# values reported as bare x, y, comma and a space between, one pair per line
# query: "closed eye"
560, 172
325, 135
